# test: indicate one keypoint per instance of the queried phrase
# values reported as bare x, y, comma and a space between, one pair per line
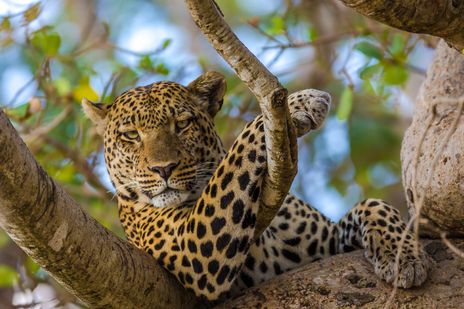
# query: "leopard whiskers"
132, 184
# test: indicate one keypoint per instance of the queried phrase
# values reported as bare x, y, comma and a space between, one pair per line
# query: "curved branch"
272, 98
95, 265
444, 19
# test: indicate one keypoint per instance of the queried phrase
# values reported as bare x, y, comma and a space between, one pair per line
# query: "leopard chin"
169, 197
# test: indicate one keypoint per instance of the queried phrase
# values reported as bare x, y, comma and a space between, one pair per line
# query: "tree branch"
95, 265
348, 281
272, 98
431, 152
444, 19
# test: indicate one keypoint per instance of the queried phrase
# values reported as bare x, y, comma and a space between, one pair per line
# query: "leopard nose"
164, 171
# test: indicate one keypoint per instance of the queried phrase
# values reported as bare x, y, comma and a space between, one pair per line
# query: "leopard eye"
132, 135
183, 124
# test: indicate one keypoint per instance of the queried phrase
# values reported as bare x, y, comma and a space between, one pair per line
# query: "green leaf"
66, 173
166, 43
346, 104
8, 276
162, 69
277, 25
369, 50
53, 44
19, 111
312, 34
46, 41
63, 86
4, 239
31, 266
145, 63
367, 87
32, 13
5, 25
395, 75
84, 90
369, 71
398, 46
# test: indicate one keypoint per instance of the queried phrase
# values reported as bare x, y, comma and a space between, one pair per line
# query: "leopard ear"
209, 89
97, 113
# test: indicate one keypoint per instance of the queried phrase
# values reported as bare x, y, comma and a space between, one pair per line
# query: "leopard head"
160, 143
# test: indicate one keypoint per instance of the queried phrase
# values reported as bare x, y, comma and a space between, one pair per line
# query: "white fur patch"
169, 198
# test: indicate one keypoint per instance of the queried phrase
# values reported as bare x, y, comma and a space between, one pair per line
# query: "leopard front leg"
308, 109
298, 234
216, 235
378, 228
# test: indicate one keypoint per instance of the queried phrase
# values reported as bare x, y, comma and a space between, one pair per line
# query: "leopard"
193, 206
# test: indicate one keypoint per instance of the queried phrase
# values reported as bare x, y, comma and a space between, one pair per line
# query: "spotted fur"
192, 206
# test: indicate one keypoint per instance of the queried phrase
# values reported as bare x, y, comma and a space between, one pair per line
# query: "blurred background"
55, 52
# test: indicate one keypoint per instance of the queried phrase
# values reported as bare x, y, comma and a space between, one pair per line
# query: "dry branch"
443, 19
272, 98
92, 263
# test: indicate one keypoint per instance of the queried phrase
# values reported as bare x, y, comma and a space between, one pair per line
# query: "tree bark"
443, 18
348, 281
272, 97
432, 152
92, 263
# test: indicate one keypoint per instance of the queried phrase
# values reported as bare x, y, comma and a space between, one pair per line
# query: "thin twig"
452, 247
317, 42
264, 33
36, 133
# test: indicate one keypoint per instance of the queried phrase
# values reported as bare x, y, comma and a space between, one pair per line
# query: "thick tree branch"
95, 265
348, 281
272, 98
444, 18
431, 153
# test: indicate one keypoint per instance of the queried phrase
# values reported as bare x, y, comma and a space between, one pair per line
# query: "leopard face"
160, 143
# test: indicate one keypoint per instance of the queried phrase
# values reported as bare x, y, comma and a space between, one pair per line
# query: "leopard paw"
308, 109
411, 269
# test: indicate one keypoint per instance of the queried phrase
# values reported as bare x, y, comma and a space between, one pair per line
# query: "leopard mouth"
169, 197
166, 191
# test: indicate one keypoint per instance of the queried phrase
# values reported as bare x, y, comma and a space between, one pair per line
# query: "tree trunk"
432, 152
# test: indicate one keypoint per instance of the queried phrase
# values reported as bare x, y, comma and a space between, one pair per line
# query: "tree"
45, 222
